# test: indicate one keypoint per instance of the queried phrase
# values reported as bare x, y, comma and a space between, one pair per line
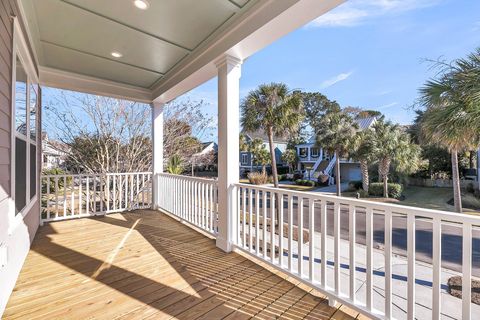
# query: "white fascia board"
263, 22
51, 77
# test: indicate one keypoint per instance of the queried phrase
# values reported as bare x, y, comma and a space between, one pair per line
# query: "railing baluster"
437, 266
388, 264
264, 246
272, 226
244, 217
467, 271
80, 200
369, 234
72, 198
257, 222
48, 198
65, 196
323, 228
290, 233
411, 266
250, 219
280, 230
88, 195
300, 234
114, 193
336, 245
311, 243
101, 195
352, 240
108, 192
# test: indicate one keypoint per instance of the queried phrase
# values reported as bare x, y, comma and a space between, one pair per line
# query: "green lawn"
429, 198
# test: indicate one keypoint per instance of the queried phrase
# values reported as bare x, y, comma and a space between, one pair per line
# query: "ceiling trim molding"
258, 25
127, 26
101, 57
56, 78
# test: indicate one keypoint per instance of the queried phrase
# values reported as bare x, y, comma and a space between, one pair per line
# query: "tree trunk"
472, 162
337, 173
264, 170
384, 168
364, 170
272, 155
457, 196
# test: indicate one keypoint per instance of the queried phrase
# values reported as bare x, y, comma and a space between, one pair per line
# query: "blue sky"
367, 53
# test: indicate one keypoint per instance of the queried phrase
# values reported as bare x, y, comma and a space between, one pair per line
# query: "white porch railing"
194, 200
301, 234
82, 195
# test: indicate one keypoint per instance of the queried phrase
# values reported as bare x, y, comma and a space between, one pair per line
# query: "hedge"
307, 183
394, 189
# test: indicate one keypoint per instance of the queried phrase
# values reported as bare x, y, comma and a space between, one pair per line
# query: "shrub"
257, 178
54, 172
394, 190
355, 185
282, 177
306, 183
297, 175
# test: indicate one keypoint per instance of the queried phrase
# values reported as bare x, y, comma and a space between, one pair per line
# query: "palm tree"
452, 115
276, 111
363, 152
335, 134
262, 158
290, 157
390, 144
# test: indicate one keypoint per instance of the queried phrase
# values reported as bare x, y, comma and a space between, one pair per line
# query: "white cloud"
386, 106
356, 12
339, 77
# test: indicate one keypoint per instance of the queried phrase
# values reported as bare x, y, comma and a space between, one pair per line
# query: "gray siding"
19, 239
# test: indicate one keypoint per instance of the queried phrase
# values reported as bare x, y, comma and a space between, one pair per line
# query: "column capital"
227, 59
157, 104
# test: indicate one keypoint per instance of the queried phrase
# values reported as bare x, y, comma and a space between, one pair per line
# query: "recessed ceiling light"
141, 4
116, 54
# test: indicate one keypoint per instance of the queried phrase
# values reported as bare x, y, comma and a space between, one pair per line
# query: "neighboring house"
53, 154
206, 158
313, 160
247, 163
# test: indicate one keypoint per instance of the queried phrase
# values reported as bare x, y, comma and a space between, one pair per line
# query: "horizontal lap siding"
6, 10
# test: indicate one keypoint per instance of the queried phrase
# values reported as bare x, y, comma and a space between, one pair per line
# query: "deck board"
146, 265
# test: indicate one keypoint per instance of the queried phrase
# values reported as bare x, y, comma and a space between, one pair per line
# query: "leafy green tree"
290, 157
335, 134
316, 106
174, 165
276, 111
393, 146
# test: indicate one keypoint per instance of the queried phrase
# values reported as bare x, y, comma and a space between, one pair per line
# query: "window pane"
20, 174
21, 99
33, 110
33, 171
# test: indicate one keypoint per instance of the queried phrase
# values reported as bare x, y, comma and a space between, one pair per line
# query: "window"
314, 152
25, 91
244, 159
303, 152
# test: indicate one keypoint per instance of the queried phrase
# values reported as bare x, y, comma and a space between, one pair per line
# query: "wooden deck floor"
145, 264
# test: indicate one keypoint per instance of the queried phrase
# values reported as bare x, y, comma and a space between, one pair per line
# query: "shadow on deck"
144, 264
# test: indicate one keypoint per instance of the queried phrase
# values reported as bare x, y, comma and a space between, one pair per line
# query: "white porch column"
157, 144
229, 70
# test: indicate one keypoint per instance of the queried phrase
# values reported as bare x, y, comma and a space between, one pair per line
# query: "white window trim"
20, 49
244, 156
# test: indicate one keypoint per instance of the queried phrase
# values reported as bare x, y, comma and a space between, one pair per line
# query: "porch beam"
157, 145
229, 71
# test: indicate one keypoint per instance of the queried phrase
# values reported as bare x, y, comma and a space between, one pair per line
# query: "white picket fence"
194, 200
82, 195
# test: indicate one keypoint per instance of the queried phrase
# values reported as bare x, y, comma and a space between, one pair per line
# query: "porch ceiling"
73, 40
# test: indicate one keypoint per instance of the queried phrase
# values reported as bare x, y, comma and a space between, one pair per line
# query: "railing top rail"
91, 174
206, 180
378, 207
